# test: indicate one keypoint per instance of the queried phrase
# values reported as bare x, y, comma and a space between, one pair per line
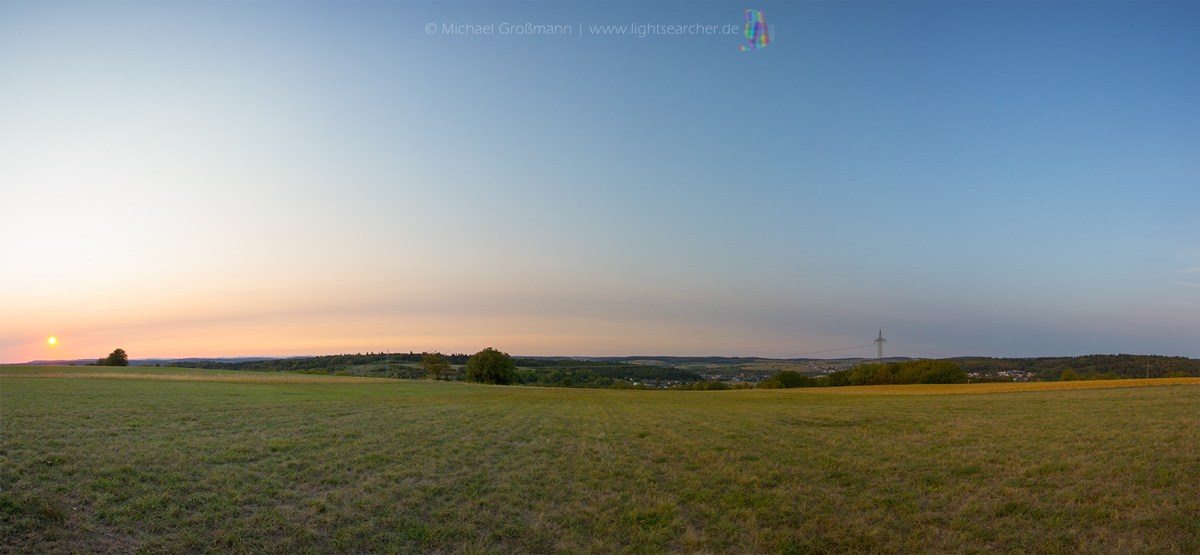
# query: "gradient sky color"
288, 178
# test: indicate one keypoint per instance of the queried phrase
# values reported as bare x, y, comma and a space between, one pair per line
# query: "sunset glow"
302, 178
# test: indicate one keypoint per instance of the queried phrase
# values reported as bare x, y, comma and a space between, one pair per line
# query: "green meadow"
208, 462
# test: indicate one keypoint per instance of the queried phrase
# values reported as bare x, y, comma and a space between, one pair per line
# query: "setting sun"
52, 341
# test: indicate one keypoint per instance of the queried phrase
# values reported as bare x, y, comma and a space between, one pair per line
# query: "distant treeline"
592, 373
1052, 368
673, 360
599, 374
577, 373
913, 371
330, 363
563, 363
895, 373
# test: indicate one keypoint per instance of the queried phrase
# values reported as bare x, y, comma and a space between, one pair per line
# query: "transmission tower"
879, 346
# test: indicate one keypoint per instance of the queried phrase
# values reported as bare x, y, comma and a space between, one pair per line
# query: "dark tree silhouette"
116, 358
491, 366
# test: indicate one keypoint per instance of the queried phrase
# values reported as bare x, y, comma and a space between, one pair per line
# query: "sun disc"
53, 341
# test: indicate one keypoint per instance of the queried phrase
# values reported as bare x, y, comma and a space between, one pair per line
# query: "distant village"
1016, 375
753, 375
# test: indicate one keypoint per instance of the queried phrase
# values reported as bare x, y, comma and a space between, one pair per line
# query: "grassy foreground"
207, 462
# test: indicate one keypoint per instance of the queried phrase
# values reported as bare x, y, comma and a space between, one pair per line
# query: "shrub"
839, 378
790, 379
491, 366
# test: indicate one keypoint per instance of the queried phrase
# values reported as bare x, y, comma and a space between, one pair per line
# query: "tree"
790, 379
491, 366
435, 364
786, 379
839, 378
116, 358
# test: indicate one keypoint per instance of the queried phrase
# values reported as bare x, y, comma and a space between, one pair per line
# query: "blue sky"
280, 178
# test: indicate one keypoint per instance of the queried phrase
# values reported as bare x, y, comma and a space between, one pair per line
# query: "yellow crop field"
1000, 387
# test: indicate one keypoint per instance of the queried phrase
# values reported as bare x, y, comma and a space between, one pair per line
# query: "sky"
282, 178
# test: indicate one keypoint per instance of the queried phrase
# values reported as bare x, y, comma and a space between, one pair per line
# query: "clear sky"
288, 178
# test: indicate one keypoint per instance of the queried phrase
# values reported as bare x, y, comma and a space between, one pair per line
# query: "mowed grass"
176, 374
386, 466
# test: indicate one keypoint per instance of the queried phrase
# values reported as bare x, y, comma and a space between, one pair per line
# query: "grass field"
181, 374
225, 462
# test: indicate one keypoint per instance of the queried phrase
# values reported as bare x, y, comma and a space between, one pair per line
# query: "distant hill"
77, 362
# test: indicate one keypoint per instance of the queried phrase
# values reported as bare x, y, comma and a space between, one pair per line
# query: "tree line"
496, 367
328, 363
547, 372
1085, 367
894, 373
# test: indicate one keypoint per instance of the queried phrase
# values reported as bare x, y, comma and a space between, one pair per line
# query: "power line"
828, 351
767, 341
933, 341
918, 351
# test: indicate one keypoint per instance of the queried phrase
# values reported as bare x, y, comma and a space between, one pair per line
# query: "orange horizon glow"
325, 334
